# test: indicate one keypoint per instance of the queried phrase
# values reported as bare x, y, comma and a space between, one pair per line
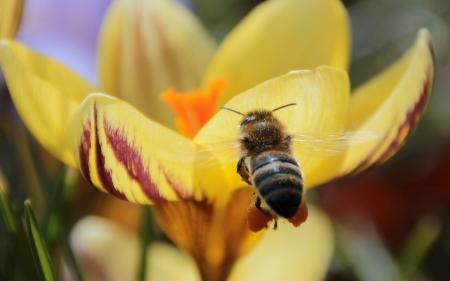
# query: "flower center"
216, 236
194, 108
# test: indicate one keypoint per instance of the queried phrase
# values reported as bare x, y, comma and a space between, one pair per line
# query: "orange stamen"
194, 108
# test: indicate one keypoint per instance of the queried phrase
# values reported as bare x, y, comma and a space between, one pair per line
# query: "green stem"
146, 232
417, 246
54, 227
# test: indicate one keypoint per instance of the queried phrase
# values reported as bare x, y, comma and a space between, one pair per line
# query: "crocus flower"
125, 152
108, 252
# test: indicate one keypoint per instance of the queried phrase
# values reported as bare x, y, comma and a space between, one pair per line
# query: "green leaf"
38, 245
7, 213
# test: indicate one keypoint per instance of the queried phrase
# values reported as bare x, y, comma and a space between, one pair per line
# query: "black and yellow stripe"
277, 177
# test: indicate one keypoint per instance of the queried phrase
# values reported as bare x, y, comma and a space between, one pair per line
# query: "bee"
267, 163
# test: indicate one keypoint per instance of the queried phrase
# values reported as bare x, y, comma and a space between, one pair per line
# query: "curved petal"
122, 152
45, 94
10, 16
321, 98
107, 252
290, 253
390, 105
148, 46
65, 30
280, 36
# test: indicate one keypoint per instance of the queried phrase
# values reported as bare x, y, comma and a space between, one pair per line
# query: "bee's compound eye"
247, 120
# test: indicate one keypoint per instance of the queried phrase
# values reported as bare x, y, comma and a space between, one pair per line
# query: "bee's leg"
275, 224
258, 203
243, 171
301, 215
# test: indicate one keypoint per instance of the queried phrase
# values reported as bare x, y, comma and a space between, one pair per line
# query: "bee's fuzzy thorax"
261, 131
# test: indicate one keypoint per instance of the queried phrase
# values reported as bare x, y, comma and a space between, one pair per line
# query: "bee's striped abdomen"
276, 176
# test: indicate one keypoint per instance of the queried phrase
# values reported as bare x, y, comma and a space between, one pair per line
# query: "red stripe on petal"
410, 122
367, 162
84, 150
130, 158
403, 132
104, 175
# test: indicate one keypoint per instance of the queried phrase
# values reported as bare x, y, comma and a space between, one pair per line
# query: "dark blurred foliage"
395, 197
219, 16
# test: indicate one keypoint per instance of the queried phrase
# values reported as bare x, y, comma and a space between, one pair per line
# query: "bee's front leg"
243, 171
258, 203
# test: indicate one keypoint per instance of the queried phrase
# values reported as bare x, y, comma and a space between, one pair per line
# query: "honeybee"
267, 163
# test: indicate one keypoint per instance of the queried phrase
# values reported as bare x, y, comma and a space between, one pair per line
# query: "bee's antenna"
283, 106
232, 110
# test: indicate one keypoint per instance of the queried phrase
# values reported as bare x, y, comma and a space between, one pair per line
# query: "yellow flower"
107, 252
147, 46
10, 15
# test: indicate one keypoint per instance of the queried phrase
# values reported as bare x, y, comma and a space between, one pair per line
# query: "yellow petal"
45, 94
10, 16
108, 252
321, 98
122, 152
279, 36
290, 253
148, 46
390, 105
162, 259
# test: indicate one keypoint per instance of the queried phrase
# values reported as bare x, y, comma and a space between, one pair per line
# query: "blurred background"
391, 222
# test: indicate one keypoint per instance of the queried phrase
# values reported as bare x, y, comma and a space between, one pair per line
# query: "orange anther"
194, 108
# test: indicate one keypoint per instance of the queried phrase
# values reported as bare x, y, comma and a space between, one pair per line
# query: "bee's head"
256, 117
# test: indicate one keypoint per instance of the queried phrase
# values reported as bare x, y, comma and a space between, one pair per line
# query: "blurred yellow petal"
290, 253
108, 252
10, 16
162, 259
321, 98
45, 94
279, 36
390, 105
148, 46
122, 152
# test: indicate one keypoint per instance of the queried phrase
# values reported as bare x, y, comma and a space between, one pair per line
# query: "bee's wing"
331, 144
223, 152
207, 155
319, 155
